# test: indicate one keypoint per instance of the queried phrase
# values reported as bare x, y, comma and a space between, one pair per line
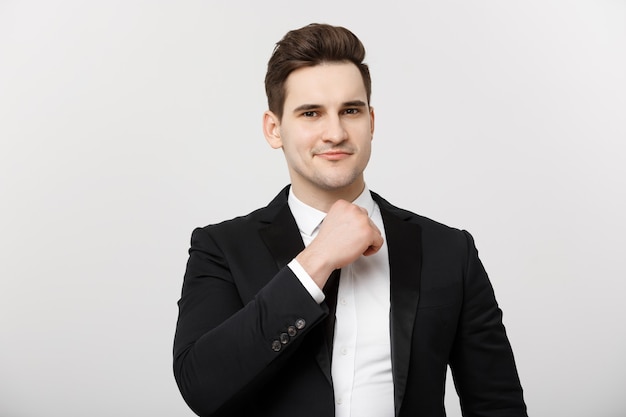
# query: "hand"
346, 233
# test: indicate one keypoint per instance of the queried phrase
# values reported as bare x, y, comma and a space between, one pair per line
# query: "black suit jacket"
250, 340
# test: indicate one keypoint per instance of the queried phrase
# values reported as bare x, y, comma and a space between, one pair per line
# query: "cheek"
295, 148
298, 140
366, 137
361, 131
366, 146
366, 152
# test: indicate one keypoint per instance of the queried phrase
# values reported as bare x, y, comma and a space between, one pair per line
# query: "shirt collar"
309, 218
366, 201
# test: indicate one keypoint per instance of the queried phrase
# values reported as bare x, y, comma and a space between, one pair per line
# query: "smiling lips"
334, 155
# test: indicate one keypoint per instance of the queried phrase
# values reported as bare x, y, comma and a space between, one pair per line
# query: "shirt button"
343, 301
300, 323
339, 401
276, 346
284, 338
291, 331
344, 350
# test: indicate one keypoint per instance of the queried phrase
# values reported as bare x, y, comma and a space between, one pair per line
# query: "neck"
323, 199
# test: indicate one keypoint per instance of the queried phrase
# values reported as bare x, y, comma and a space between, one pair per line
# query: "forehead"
324, 84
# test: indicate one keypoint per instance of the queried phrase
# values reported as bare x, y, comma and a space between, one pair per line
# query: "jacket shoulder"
427, 224
250, 221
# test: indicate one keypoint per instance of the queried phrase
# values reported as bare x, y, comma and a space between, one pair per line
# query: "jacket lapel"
405, 251
282, 237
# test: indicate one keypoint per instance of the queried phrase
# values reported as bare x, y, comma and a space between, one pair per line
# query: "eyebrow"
308, 107
355, 103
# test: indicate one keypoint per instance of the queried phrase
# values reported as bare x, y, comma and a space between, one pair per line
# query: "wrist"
315, 266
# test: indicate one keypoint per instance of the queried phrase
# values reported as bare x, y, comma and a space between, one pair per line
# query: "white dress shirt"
361, 361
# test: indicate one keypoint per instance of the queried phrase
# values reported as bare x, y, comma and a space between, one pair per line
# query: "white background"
125, 124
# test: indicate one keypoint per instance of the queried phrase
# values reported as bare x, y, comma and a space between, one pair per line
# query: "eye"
351, 111
309, 113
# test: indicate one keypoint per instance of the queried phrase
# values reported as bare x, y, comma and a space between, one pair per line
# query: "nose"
334, 130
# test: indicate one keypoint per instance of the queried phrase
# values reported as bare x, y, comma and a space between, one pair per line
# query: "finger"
372, 250
377, 243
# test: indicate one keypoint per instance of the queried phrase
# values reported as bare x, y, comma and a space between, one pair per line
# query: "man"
331, 301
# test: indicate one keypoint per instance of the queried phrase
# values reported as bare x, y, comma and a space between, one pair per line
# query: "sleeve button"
284, 338
291, 331
300, 323
276, 346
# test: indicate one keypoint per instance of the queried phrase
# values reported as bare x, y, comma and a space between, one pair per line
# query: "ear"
271, 130
372, 121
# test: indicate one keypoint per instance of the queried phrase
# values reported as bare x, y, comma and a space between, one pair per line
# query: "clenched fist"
346, 233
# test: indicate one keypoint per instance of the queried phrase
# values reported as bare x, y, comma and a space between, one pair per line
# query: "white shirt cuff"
307, 281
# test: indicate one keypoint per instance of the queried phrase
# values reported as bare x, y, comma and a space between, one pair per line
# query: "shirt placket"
344, 345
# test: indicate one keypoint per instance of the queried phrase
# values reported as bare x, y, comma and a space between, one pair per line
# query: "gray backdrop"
125, 124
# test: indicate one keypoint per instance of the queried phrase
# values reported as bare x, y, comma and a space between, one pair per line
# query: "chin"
338, 183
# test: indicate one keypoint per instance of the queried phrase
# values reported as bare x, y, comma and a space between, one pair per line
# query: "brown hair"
308, 46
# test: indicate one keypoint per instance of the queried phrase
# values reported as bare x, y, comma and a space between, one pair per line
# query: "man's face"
326, 130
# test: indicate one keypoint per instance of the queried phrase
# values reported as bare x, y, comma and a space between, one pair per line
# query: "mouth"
334, 155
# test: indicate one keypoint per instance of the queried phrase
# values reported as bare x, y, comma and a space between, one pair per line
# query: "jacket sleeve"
224, 347
481, 360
